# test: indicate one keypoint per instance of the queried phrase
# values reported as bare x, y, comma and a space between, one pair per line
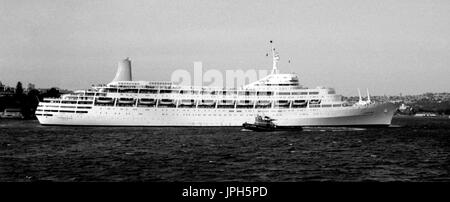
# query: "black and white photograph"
225, 99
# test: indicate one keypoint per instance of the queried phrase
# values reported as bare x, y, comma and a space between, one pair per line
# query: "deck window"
85, 102
111, 90
68, 102
231, 92
168, 91
126, 90
82, 107
185, 92
62, 106
66, 111
208, 92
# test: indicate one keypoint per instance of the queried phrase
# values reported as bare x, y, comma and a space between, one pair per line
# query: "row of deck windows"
169, 103
212, 92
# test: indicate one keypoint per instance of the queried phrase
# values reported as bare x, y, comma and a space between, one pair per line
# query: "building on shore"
11, 113
425, 115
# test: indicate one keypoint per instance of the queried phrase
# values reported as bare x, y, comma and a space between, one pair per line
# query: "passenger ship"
124, 102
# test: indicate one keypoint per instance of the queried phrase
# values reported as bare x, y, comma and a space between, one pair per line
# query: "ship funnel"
368, 96
123, 71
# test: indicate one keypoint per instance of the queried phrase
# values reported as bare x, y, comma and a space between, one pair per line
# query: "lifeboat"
264, 103
105, 100
226, 102
188, 102
126, 100
208, 92
282, 103
147, 101
166, 102
206, 102
244, 103
299, 102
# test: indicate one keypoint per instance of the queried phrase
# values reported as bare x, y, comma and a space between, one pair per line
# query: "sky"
390, 47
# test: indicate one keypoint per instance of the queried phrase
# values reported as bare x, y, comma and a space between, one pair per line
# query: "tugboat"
261, 124
265, 124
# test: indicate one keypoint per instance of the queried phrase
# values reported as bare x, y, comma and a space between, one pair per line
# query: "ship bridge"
276, 81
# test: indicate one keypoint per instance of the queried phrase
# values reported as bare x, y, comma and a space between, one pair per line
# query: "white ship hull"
370, 115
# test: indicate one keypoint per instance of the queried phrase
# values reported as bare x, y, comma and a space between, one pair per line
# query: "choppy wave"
332, 129
418, 151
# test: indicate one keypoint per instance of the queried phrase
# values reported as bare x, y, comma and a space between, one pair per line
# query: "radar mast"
275, 59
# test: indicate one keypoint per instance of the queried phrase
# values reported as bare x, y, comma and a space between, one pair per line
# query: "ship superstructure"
124, 102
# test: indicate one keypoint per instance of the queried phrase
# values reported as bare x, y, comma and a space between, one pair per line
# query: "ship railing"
83, 98
70, 97
275, 88
151, 84
51, 100
98, 85
203, 88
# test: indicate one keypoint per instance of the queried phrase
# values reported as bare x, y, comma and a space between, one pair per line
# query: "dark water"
419, 151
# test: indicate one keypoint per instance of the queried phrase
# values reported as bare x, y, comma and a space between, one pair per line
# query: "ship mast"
275, 59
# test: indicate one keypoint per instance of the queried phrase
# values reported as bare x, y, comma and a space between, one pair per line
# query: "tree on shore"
30, 103
53, 93
19, 88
